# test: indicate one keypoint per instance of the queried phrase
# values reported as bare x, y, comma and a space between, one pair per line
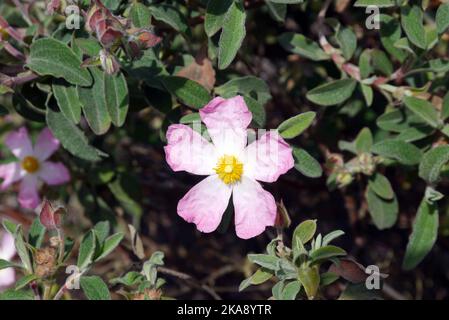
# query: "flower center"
229, 169
30, 164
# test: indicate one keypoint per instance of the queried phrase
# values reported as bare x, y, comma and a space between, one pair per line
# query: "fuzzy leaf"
49, 56
332, 93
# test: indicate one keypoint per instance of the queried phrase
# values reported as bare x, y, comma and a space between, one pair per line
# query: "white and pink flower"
7, 252
233, 168
32, 166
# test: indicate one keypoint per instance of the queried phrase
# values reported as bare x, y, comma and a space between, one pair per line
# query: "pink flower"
232, 167
7, 251
32, 165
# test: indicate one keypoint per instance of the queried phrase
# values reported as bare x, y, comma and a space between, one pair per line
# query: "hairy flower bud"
109, 63
51, 217
45, 262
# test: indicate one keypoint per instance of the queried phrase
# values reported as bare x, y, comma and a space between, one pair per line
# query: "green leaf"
110, 244
377, 3
423, 109
442, 17
264, 260
364, 141
390, 32
404, 152
68, 100
277, 10
381, 62
250, 86
36, 233
412, 22
303, 233
7, 264
140, 15
306, 164
347, 41
384, 212
291, 290
170, 16
22, 249
102, 230
257, 110
12, 294
86, 250
130, 279
331, 236
332, 93
367, 94
94, 105
294, 126
310, 280
232, 35
52, 57
188, 91
260, 276
327, 252
303, 46
94, 288
90, 47
381, 186
424, 235
22, 282
432, 162
215, 15
71, 137
117, 99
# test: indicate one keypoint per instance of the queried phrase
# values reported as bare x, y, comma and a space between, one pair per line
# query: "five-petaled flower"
32, 165
232, 167
7, 252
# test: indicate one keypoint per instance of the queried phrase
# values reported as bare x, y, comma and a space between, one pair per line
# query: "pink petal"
226, 121
19, 143
46, 145
187, 150
7, 247
54, 173
7, 278
255, 208
205, 203
10, 173
268, 158
28, 193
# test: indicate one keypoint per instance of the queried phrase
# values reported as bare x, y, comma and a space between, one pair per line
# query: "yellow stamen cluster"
229, 169
30, 164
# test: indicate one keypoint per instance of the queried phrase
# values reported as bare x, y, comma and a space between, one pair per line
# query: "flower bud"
283, 220
344, 178
109, 63
367, 165
51, 217
45, 262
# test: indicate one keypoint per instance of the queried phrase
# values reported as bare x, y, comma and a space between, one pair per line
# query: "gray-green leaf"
232, 35
332, 93
424, 235
49, 56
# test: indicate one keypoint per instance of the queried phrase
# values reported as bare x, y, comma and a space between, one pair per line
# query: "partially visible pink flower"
7, 252
33, 165
232, 167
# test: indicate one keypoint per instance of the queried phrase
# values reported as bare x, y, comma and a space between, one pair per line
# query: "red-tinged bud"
148, 39
283, 220
93, 16
109, 63
51, 217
